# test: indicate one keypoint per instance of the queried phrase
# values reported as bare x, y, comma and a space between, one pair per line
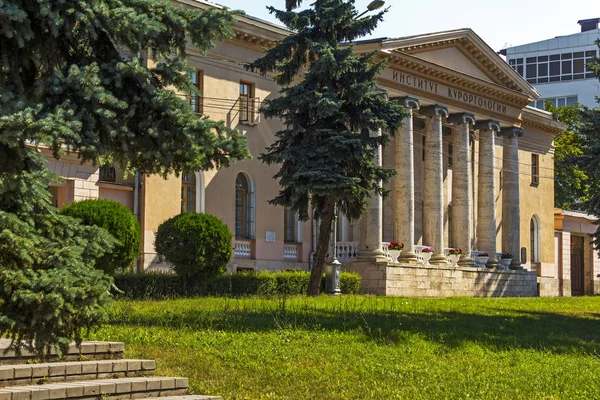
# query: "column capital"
408, 102
462, 118
488, 125
433, 110
513, 131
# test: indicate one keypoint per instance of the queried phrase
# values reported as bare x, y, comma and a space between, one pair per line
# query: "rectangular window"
578, 66
554, 68
555, 57
196, 102
571, 100
450, 154
543, 69
531, 71
566, 67
108, 173
246, 102
289, 225
535, 169
561, 101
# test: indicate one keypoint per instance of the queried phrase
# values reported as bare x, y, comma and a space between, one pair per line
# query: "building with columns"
474, 170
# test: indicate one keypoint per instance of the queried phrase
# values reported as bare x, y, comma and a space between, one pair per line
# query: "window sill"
534, 184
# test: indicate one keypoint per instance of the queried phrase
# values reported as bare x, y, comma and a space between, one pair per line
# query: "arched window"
188, 192
244, 207
534, 239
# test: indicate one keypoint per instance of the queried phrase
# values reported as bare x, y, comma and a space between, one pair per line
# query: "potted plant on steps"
505, 260
482, 259
395, 249
454, 256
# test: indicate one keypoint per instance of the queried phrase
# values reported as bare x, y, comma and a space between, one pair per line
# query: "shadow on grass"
556, 333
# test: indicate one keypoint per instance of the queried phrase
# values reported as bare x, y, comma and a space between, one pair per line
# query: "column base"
408, 258
466, 262
438, 259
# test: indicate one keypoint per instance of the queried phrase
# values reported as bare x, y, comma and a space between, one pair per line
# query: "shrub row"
161, 285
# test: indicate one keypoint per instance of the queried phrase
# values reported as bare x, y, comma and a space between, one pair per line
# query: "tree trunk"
316, 274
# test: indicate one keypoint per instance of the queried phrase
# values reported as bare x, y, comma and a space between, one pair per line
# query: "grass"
362, 347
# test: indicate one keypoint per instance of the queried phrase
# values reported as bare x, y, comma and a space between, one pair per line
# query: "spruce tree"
331, 107
94, 77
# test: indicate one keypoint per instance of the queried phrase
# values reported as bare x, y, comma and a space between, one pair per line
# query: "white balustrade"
385, 246
290, 251
346, 251
243, 248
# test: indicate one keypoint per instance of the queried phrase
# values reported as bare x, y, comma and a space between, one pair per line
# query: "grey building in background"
557, 67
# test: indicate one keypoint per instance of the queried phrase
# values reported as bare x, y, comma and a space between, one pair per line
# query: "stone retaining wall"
401, 280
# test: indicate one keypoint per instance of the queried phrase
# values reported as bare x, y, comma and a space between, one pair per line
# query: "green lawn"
363, 347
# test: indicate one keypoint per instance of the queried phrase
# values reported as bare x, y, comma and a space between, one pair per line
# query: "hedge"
163, 285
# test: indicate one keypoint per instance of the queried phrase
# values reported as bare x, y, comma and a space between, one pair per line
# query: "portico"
457, 155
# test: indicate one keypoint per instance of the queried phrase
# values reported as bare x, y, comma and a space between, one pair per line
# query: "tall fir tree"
331, 107
93, 77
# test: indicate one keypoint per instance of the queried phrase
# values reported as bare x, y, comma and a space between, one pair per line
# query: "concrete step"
87, 351
105, 389
28, 374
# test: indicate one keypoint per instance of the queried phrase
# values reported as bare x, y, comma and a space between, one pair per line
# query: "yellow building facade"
441, 77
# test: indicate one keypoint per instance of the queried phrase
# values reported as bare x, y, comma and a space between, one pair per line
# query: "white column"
433, 212
511, 217
462, 204
486, 189
404, 185
371, 223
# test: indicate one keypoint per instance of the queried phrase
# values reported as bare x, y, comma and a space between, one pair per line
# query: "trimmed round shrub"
119, 221
198, 246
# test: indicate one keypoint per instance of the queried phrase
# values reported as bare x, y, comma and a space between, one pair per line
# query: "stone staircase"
97, 370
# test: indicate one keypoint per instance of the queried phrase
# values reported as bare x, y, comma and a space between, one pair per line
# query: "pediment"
462, 51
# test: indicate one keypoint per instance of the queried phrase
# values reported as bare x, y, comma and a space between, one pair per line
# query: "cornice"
255, 41
435, 72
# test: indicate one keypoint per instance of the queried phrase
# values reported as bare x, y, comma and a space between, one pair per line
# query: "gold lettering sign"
450, 93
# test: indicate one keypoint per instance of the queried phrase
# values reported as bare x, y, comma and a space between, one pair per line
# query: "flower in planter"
506, 255
455, 252
396, 246
483, 255
427, 250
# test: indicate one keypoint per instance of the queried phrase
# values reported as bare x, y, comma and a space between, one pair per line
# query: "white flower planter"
454, 259
394, 254
426, 258
505, 262
482, 261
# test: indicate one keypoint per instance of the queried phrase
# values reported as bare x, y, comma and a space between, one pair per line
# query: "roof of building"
585, 21
579, 214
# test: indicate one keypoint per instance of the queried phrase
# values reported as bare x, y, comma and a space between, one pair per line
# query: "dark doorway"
577, 266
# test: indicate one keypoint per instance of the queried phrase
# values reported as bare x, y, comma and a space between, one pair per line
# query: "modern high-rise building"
557, 67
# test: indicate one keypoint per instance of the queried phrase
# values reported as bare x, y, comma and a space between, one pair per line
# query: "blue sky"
498, 22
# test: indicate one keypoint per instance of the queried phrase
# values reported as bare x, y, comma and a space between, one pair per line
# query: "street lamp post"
374, 5
333, 270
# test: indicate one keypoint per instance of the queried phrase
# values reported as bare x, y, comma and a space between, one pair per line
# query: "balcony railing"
242, 248
291, 251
